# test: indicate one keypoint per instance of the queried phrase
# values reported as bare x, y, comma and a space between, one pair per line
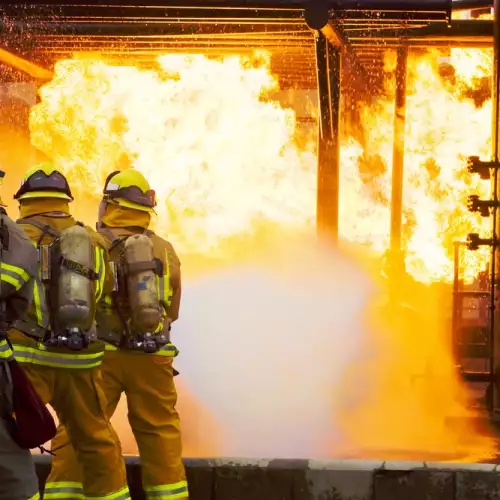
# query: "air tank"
75, 292
141, 284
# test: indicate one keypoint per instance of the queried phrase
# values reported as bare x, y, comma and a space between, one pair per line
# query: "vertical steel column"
328, 64
495, 309
396, 252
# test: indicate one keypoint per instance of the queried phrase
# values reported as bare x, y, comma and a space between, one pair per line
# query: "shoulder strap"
45, 228
109, 234
115, 240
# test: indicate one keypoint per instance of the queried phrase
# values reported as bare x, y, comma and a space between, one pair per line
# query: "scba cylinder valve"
77, 340
55, 341
149, 345
146, 343
74, 340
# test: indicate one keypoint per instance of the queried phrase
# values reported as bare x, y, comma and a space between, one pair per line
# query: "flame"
207, 135
224, 158
446, 122
233, 150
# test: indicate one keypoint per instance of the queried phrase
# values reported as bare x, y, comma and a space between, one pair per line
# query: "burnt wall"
240, 479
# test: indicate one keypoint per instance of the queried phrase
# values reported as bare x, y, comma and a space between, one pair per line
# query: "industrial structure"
336, 46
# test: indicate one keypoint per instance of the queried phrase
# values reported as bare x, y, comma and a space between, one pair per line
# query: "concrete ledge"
277, 479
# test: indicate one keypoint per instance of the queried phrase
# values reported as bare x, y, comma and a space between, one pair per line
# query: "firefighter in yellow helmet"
135, 324
18, 269
55, 342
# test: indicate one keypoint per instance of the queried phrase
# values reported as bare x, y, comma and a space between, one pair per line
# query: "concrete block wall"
241, 479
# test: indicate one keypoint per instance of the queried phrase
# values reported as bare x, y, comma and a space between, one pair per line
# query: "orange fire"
224, 159
207, 140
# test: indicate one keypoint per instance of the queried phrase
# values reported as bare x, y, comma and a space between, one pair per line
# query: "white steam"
264, 346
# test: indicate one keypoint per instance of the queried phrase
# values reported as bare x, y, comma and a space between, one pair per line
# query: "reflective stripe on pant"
167, 491
169, 350
74, 491
77, 398
44, 357
18, 480
64, 490
154, 421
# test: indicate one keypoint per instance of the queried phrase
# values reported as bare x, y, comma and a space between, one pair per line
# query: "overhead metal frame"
366, 28
351, 33
146, 27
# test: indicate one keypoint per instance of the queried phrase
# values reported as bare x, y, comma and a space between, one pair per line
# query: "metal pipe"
317, 17
396, 251
456, 302
324, 103
21, 64
328, 64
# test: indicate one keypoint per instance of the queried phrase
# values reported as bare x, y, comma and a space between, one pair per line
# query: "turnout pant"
148, 383
80, 405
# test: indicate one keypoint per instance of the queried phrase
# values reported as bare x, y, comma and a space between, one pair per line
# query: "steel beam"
192, 4
396, 250
164, 29
478, 32
456, 29
495, 299
393, 5
495, 264
361, 5
471, 4
328, 62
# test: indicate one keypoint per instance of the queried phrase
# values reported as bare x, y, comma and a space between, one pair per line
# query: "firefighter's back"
18, 268
139, 259
114, 311
44, 230
55, 342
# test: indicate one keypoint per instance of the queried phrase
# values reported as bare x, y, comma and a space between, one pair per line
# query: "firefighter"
55, 342
18, 267
143, 371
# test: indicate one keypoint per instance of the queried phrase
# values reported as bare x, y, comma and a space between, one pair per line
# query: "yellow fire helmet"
44, 181
129, 188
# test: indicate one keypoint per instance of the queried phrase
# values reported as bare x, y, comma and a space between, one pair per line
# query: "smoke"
286, 352
264, 345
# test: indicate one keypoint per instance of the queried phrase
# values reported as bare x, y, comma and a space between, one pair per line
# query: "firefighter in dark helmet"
18, 269
56, 341
135, 324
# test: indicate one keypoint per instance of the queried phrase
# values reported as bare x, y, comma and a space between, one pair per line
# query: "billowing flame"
223, 158
444, 126
219, 158
207, 139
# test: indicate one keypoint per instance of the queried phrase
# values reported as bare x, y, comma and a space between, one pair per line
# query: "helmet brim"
44, 194
130, 204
